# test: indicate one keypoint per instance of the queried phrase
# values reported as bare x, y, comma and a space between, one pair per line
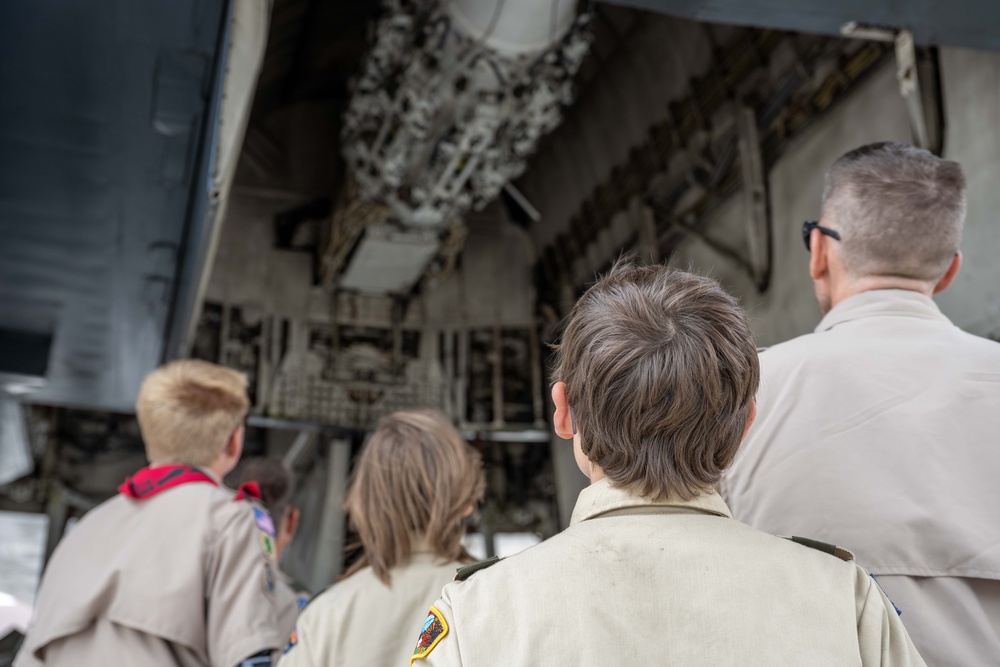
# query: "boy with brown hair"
175, 570
655, 385
277, 486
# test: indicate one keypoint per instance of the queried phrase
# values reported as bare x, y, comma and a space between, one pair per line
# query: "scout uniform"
638, 582
360, 620
881, 431
173, 571
289, 603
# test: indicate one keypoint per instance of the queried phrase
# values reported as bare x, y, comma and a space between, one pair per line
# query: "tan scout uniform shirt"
177, 579
361, 621
289, 603
881, 432
637, 582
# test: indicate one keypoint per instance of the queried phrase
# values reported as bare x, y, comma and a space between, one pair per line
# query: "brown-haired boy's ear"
562, 418
291, 522
287, 525
751, 416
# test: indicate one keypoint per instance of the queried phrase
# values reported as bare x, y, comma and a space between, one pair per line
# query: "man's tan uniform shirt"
638, 582
881, 432
181, 578
361, 621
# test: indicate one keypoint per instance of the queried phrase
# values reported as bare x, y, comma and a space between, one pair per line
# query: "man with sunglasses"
880, 430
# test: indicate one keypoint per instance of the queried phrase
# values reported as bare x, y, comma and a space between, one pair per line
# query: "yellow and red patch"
434, 630
292, 640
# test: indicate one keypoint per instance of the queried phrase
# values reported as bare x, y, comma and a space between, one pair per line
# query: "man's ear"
949, 275
562, 418
819, 265
751, 416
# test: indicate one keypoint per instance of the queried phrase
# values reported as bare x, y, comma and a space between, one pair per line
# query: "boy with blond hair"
176, 569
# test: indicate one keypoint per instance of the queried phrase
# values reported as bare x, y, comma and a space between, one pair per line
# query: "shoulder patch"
434, 630
268, 581
842, 554
263, 521
293, 639
463, 573
267, 546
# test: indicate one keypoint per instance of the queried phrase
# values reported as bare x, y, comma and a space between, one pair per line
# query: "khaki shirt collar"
882, 302
211, 475
601, 497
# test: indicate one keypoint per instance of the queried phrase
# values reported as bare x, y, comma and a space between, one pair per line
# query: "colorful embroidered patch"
434, 630
292, 641
267, 545
264, 521
269, 587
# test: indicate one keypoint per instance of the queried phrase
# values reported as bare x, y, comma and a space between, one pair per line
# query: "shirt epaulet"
463, 573
842, 554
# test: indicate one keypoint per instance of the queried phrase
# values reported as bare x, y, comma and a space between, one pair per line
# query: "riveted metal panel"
99, 128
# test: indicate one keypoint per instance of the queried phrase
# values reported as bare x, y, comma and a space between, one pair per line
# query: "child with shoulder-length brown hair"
414, 484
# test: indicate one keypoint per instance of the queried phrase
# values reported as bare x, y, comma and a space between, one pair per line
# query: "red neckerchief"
248, 491
150, 481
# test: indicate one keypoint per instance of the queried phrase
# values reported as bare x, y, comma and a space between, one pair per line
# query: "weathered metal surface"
99, 134
966, 23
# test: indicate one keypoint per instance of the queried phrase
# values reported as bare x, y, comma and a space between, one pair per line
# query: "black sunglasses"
810, 225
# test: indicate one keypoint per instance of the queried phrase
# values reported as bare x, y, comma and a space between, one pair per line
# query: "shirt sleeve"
26, 657
437, 641
242, 612
301, 645
882, 638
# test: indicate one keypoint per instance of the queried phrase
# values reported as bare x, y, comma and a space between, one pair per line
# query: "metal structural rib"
690, 163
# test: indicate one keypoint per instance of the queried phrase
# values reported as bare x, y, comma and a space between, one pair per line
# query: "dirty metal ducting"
450, 101
964, 23
109, 153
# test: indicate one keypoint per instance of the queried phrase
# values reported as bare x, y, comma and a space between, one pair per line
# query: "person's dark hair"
660, 369
276, 484
899, 210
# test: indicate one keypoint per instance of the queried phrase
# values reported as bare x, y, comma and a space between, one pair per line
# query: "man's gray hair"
899, 210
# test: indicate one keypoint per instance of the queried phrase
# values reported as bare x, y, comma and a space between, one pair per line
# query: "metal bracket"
909, 87
301, 448
919, 82
641, 217
754, 197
